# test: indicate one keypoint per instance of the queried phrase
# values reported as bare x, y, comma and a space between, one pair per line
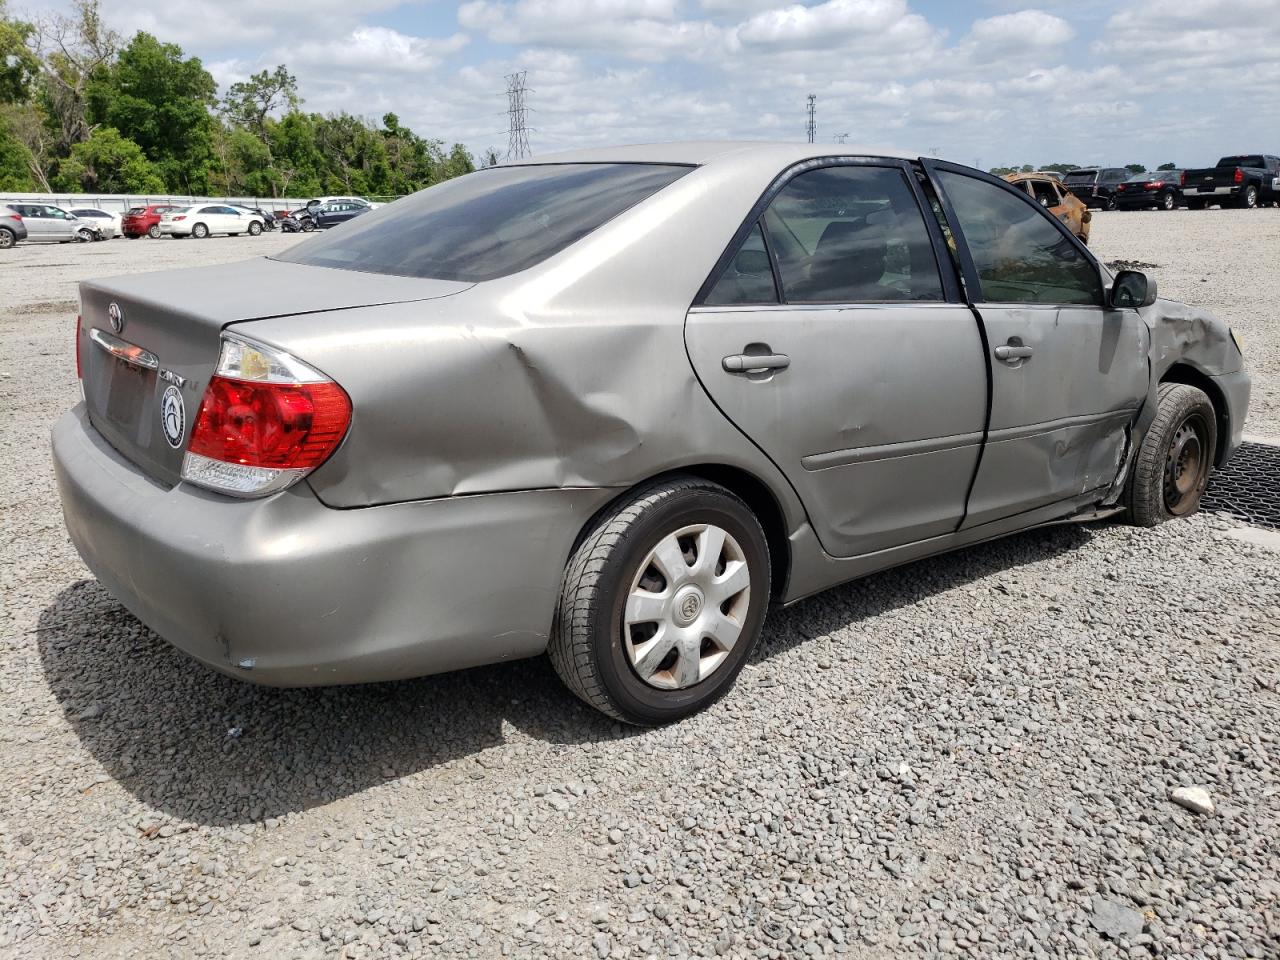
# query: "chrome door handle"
750, 363
1007, 352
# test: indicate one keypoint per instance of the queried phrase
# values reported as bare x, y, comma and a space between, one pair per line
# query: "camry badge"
116, 316
173, 416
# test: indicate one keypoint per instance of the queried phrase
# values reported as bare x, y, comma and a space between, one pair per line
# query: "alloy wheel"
686, 607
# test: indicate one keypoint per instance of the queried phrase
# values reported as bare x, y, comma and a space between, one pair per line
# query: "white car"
205, 219
323, 200
108, 223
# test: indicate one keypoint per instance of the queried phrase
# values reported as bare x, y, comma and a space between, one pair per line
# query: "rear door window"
850, 234
487, 224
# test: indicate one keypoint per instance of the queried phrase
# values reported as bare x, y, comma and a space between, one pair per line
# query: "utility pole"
811, 128
518, 131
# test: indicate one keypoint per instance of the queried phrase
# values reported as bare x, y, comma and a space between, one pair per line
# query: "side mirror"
1133, 289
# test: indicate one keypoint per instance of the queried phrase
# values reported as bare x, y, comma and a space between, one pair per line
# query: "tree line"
84, 110
1068, 167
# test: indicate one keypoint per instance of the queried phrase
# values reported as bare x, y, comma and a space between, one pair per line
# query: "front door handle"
752, 362
1013, 352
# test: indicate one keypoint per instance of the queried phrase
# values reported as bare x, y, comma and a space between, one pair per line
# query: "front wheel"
1176, 457
84, 236
308, 226
1168, 202
662, 602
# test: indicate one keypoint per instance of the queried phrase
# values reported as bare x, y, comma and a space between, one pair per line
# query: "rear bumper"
1236, 388
288, 592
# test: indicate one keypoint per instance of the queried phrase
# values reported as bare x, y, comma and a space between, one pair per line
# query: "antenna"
518, 132
811, 128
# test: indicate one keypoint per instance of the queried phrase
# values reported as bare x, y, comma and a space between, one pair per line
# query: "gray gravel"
974, 754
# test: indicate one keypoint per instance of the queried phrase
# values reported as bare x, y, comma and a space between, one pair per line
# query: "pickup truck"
1247, 180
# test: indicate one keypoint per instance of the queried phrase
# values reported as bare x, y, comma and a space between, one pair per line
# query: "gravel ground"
973, 754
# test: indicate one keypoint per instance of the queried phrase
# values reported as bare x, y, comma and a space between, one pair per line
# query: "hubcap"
1186, 466
687, 607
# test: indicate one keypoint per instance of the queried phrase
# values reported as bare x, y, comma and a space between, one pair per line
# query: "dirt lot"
971, 754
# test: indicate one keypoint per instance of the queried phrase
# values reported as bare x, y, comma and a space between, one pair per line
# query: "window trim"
951, 292
971, 279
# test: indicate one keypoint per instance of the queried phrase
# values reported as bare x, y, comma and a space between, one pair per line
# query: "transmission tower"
811, 128
518, 133
842, 138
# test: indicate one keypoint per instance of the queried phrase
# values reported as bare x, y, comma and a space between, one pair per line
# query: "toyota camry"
612, 405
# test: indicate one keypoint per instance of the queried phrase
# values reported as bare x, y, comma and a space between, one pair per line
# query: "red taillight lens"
76, 347
180, 218
1182, 179
16, 216
1239, 177
281, 426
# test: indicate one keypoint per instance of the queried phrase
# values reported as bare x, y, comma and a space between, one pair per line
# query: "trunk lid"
168, 338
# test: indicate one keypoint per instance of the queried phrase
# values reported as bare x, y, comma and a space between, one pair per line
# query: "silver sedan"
613, 404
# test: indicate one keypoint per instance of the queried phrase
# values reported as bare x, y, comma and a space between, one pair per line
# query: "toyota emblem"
116, 316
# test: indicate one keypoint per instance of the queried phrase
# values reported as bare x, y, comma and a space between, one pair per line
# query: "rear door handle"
750, 363
1007, 352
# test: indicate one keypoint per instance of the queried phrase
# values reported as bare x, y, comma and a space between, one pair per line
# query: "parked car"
326, 215
202, 220
299, 221
107, 223
611, 405
1058, 201
1246, 180
1156, 190
46, 223
1096, 186
144, 221
268, 219
317, 201
12, 229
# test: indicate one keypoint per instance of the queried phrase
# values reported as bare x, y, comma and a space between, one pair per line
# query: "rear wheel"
7, 238
199, 231
1110, 203
662, 602
153, 231
1195, 204
1249, 199
1168, 202
255, 228
1176, 457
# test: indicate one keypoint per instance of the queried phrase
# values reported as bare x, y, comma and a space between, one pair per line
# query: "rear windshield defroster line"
486, 224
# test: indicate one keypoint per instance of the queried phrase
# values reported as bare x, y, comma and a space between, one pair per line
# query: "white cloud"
1026, 29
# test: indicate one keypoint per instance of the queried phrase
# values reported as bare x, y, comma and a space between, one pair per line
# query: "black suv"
1096, 186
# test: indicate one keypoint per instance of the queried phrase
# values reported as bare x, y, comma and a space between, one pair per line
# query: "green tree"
18, 65
72, 50
1061, 167
108, 163
1135, 168
161, 101
251, 103
458, 162
1167, 166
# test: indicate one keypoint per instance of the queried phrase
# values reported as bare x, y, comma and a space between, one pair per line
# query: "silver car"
46, 223
610, 406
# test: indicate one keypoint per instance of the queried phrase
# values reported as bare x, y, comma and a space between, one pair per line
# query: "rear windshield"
1251, 160
486, 224
135, 211
1081, 176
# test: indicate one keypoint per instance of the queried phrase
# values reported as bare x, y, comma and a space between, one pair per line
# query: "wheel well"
753, 492
1189, 375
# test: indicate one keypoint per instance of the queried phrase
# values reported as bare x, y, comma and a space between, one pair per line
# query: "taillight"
180, 218
1120, 188
1182, 179
16, 216
76, 347
1239, 176
267, 419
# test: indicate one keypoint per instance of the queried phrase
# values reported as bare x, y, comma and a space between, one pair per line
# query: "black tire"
153, 231
85, 236
7, 238
587, 639
1195, 204
308, 226
133, 236
1168, 201
255, 228
1172, 470
199, 231
1110, 203
1249, 199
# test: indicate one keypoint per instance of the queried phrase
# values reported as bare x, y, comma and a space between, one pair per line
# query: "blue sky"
991, 82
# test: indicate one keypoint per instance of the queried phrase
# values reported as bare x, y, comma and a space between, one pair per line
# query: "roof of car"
708, 151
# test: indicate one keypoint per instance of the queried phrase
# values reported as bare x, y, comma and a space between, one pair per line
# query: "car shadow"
216, 751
